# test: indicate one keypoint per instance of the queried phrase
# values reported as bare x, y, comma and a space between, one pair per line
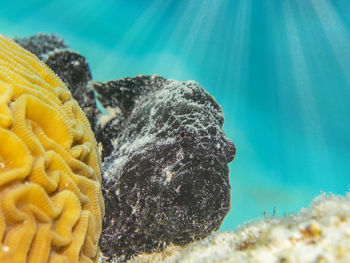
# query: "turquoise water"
280, 70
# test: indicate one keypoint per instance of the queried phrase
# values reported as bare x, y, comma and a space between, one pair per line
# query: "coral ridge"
50, 196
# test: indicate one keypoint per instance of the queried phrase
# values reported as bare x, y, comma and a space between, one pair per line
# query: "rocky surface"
165, 156
320, 233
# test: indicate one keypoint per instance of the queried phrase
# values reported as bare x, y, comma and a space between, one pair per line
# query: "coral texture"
166, 175
51, 206
318, 234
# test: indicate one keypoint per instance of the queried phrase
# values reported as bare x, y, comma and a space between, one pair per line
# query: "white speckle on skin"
111, 113
177, 190
115, 142
180, 154
76, 63
169, 175
154, 76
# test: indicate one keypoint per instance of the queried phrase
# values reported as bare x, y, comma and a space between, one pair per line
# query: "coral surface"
318, 234
51, 205
166, 175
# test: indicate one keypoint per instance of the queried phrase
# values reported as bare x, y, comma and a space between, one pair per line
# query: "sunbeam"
194, 25
304, 88
337, 34
235, 54
130, 43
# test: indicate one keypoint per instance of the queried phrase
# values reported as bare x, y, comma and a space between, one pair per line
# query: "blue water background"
280, 70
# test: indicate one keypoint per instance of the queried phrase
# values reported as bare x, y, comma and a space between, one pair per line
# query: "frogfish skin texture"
165, 170
51, 206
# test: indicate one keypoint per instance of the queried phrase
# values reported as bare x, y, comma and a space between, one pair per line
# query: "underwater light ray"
186, 40
67, 19
200, 35
238, 60
134, 37
152, 25
186, 11
331, 89
44, 8
337, 34
310, 118
194, 34
139, 25
226, 67
207, 23
282, 87
238, 114
319, 52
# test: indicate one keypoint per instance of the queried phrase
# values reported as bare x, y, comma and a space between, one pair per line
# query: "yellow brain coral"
51, 205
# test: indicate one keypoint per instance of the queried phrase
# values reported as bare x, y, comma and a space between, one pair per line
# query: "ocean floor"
319, 233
